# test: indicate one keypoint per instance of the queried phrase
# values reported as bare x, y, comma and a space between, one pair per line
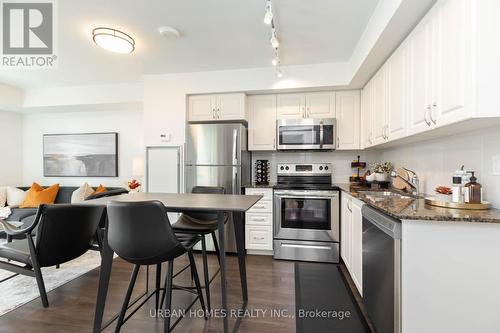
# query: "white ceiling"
217, 35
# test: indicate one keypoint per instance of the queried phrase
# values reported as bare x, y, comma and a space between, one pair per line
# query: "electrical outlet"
495, 165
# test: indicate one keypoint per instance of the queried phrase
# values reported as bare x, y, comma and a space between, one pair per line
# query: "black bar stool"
202, 224
140, 233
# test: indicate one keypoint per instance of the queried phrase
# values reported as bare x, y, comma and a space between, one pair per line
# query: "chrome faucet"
414, 182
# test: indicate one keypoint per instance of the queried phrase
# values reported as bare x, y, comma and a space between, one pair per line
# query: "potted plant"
134, 186
382, 170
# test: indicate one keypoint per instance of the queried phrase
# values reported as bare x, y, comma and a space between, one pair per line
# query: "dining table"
221, 204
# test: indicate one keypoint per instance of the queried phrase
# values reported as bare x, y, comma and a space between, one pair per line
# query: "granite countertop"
412, 208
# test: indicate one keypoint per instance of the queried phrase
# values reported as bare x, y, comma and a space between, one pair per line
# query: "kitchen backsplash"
436, 160
341, 161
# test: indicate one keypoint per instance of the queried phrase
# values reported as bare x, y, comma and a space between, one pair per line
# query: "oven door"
306, 134
306, 215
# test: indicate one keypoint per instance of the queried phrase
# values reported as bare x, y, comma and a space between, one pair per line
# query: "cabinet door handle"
308, 112
349, 205
258, 238
426, 114
431, 112
213, 113
259, 219
303, 112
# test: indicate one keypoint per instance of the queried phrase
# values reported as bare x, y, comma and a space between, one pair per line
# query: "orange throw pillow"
37, 196
100, 189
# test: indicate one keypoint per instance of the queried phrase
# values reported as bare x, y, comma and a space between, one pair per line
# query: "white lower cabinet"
351, 238
259, 222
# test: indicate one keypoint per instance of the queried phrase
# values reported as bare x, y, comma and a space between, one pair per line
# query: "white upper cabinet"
397, 84
451, 66
426, 83
420, 67
291, 106
348, 119
262, 122
379, 112
306, 105
366, 115
217, 107
202, 107
320, 105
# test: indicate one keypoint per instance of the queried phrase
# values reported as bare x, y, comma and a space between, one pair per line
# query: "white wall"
128, 124
436, 160
341, 161
11, 157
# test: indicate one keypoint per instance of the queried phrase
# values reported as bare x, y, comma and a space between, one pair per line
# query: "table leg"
239, 230
222, 249
104, 275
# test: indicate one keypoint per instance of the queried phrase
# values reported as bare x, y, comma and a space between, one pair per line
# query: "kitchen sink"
387, 194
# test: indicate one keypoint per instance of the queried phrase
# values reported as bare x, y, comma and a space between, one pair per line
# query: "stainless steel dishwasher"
382, 270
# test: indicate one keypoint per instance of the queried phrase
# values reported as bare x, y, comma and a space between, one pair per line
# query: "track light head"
274, 40
268, 18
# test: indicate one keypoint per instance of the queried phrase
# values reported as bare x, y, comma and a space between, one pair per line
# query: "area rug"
324, 302
20, 289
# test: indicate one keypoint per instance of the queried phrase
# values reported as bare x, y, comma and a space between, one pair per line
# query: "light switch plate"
496, 165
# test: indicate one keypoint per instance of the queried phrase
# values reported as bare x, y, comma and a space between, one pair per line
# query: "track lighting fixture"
274, 40
268, 17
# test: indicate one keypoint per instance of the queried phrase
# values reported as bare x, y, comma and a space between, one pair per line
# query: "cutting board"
398, 182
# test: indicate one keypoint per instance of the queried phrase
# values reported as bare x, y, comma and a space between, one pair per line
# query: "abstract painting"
80, 155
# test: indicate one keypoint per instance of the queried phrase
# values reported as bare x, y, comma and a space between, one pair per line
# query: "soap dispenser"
473, 191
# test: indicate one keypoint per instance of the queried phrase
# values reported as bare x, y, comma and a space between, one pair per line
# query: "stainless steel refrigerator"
216, 155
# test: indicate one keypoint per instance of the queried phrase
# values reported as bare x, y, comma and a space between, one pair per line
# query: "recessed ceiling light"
166, 31
113, 40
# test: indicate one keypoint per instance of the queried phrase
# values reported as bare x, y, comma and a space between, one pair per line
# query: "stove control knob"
282, 168
321, 168
326, 167
287, 168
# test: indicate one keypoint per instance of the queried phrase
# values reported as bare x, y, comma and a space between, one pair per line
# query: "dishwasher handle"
385, 223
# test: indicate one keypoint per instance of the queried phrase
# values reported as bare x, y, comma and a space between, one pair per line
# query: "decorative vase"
381, 177
370, 177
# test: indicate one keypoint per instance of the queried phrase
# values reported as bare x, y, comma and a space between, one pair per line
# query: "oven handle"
330, 194
308, 196
321, 134
302, 246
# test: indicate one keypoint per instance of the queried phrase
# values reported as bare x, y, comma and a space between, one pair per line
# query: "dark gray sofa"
27, 215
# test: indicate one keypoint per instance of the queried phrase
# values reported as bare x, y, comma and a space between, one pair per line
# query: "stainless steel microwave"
306, 134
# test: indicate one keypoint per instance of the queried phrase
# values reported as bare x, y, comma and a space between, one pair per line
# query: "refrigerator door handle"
235, 143
235, 181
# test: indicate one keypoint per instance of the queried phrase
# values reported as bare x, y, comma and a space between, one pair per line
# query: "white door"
262, 122
202, 107
348, 115
231, 107
397, 83
419, 72
379, 112
449, 105
291, 106
320, 105
357, 245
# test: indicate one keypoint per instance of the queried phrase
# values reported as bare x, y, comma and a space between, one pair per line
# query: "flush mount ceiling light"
113, 40
268, 17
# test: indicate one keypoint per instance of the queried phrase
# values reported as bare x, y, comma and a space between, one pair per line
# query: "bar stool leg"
197, 282
127, 298
205, 271
168, 295
158, 286
216, 245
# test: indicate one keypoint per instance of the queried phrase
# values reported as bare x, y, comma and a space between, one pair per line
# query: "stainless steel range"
306, 208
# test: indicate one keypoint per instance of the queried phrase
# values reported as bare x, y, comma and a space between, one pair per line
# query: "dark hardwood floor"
271, 287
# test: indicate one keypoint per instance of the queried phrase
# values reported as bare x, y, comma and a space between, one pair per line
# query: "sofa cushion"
81, 193
18, 214
15, 196
37, 196
3, 196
